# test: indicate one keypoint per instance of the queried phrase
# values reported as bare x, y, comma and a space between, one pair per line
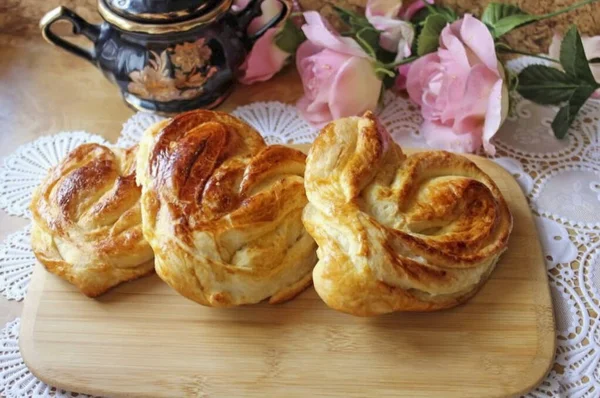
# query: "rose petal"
385, 8
452, 51
318, 31
396, 36
401, 80
355, 90
494, 114
318, 117
478, 38
326, 66
418, 74
265, 59
304, 64
469, 117
414, 7
442, 137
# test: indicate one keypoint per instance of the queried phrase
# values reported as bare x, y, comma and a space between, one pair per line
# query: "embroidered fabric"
561, 179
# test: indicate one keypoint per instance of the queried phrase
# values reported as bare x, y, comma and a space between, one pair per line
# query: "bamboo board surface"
142, 339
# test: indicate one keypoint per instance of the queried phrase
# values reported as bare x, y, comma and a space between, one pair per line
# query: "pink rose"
337, 75
396, 35
591, 47
265, 58
460, 88
400, 83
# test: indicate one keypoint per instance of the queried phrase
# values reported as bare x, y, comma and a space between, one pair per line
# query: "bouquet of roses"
447, 63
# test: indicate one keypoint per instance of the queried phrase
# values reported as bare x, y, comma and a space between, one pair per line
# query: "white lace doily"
16, 381
561, 179
28, 165
16, 264
134, 127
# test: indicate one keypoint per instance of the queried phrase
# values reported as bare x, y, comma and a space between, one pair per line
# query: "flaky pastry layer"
396, 232
222, 211
87, 220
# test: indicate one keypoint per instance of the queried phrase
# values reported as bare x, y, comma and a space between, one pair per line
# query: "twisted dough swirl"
87, 221
415, 233
222, 210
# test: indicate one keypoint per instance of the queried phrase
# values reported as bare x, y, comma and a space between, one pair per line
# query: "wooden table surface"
45, 90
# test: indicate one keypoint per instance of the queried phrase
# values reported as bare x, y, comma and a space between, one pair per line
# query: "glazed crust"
396, 232
87, 220
222, 211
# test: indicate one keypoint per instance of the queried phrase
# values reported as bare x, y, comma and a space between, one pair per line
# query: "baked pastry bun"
396, 232
223, 211
87, 220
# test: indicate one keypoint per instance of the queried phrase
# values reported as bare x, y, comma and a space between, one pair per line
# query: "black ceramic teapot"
166, 56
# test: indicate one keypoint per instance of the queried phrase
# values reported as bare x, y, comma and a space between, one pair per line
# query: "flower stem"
364, 44
510, 50
393, 65
566, 9
385, 71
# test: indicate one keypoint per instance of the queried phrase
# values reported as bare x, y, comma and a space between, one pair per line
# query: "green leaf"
502, 18
566, 115
447, 13
496, 11
545, 85
429, 39
507, 24
290, 37
573, 59
421, 15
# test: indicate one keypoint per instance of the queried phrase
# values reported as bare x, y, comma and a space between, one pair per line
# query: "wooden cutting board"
142, 339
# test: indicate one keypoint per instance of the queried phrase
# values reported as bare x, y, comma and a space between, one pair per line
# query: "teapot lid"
161, 16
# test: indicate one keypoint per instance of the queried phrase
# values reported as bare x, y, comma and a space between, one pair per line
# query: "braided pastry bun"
87, 221
223, 211
395, 232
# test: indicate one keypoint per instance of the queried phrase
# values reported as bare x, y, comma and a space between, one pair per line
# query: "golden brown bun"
398, 233
87, 221
222, 211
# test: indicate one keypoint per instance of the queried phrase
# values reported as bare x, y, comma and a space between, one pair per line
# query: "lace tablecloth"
561, 179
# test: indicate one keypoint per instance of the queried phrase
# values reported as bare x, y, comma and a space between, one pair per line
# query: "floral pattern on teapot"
191, 67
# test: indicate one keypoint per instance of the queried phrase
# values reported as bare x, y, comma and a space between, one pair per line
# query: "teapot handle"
80, 26
253, 10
